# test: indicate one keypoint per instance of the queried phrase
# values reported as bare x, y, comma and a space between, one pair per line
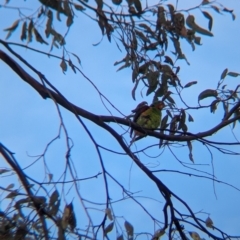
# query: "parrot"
147, 117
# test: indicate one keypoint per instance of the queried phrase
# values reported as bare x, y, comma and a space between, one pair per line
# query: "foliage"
151, 36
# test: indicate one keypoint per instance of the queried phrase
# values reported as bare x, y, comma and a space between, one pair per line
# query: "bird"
148, 117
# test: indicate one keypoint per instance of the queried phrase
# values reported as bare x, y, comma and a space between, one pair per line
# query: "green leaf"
190, 84
207, 93
233, 74
224, 74
209, 17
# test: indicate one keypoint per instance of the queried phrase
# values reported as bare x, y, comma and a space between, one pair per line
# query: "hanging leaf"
38, 37
158, 234
69, 21
11, 29
190, 118
216, 8
189, 144
54, 203
58, 37
224, 74
205, 2
78, 59
190, 21
233, 74
117, 2
138, 5
168, 60
24, 31
79, 7
109, 214
30, 29
50, 176
197, 40
231, 12
142, 36
207, 93
67, 8
213, 106
12, 194
190, 84
39, 199
3, 171
209, 223
68, 217
152, 78
209, 17
10, 186
120, 237
182, 121
54, 197
48, 27
194, 236
164, 122
129, 228
109, 228
63, 65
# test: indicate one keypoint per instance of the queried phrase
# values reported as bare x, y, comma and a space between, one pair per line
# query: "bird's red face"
159, 105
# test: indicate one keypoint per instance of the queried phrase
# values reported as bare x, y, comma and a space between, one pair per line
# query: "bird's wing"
139, 110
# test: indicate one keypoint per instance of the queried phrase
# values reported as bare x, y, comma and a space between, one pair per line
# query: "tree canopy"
70, 168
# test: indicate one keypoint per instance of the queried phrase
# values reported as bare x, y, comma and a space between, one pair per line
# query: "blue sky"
28, 122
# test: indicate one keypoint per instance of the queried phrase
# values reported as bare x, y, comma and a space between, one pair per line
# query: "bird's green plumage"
150, 118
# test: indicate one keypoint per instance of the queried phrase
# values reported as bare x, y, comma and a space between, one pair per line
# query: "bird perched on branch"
147, 117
